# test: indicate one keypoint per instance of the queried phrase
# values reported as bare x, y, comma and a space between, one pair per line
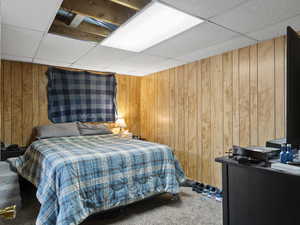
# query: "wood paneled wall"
24, 105
203, 108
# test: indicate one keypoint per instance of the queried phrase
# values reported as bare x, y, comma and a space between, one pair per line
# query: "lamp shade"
121, 123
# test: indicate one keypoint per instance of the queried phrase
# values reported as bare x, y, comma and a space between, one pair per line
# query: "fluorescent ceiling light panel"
156, 23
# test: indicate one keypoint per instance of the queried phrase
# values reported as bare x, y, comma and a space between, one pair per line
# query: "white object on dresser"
286, 168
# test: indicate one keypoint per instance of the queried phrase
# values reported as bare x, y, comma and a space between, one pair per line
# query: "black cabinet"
257, 195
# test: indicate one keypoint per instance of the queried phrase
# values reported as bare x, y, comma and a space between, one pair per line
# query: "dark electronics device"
293, 88
292, 93
253, 154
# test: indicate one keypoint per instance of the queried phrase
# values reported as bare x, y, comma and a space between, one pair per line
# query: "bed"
81, 175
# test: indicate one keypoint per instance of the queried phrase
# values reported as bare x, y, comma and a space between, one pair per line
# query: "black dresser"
258, 195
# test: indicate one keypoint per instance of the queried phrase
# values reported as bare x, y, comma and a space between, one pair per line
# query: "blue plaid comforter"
78, 176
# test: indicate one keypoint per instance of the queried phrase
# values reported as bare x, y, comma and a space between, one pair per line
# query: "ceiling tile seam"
271, 24
230, 9
14, 56
39, 46
50, 60
20, 28
47, 29
54, 64
52, 17
87, 52
163, 57
234, 31
3, 53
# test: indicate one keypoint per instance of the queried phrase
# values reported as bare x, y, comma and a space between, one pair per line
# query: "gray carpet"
191, 209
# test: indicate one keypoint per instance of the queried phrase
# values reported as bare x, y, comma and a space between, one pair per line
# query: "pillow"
90, 129
57, 130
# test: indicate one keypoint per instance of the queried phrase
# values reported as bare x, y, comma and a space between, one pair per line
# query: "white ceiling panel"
141, 61
144, 64
235, 43
276, 29
202, 36
51, 62
58, 48
30, 14
19, 42
167, 64
257, 14
93, 68
104, 56
117, 68
16, 58
204, 8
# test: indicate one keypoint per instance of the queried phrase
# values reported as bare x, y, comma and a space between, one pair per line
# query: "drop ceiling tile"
167, 64
19, 42
258, 14
144, 64
276, 30
141, 73
16, 58
204, 8
104, 56
30, 14
141, 61
58, 48
202, 36
235, 43
51, 62
93, 68
116, 68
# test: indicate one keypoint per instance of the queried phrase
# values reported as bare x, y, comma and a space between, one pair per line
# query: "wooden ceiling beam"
104, 10
61, 28
93, 29
132, 4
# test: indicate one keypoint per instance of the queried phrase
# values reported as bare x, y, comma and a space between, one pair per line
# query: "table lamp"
121, 123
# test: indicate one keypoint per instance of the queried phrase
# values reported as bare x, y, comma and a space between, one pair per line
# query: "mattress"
78, 176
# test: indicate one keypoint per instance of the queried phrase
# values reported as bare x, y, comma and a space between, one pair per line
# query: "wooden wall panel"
7, 102
172, 108
191, 147
266, 93
228, 100
23, 101
244, 96
17, 107
206, 149
233, 98
253, 96
199, 153
217, 133
279, 86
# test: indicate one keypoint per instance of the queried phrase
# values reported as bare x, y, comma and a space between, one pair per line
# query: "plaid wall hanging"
80, 96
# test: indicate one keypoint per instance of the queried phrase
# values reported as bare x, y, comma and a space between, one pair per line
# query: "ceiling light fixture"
157, 22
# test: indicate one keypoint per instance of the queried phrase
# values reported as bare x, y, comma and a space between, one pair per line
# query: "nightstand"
5, 154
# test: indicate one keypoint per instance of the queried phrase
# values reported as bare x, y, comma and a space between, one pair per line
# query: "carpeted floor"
191, 209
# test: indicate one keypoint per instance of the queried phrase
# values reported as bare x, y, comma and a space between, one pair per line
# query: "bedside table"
5, 154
